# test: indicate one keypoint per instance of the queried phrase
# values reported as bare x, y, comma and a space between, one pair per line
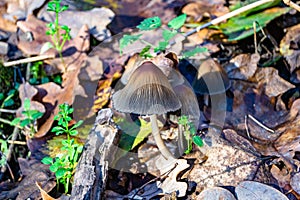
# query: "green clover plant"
64, 164
59, 33
190, 133
155, 23
28, 122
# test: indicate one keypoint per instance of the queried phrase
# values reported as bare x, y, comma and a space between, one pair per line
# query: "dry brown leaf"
172, 168
38, 29
33, 171
283, 176
243, 66
6, 24
289, 47
197, 10
271, 83
96, 19
22, 8
44, 194
225, 165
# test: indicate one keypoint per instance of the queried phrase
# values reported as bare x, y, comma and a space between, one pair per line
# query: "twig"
7, 111
292, 4
28, 60
16, 142
9, 122
255, 38
227, 16
260, 124
10, 149
246, 127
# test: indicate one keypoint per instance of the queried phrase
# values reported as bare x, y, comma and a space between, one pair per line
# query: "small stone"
3, 48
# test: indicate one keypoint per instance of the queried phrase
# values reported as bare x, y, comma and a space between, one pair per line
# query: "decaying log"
101, 144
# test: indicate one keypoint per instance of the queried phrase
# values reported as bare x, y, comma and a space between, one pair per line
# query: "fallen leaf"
171, 182
242, 67
271, 83
282, 175
20, 9
289, 47
96, 19
34, 171
256, 190
44, 194
199, 9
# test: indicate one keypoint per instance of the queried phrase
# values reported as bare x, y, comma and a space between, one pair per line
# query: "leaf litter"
258, 145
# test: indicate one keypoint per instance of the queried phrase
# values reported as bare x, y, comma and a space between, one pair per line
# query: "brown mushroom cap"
147, 92
211, 78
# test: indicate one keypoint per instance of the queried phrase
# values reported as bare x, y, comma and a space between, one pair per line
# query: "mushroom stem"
159, 141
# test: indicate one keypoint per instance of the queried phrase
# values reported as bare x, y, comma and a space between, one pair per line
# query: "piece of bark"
100, 147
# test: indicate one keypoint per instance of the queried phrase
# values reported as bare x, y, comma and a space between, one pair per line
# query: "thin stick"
7, 111
246, 127
28, 60
9, 122
255, 39
227, 16
260, 124
292, 4
10, 149
16, 142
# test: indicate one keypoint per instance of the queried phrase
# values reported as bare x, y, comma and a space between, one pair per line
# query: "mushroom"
212, 81
211, 78
148, 92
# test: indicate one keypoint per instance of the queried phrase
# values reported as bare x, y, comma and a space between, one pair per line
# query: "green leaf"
63, 8
16, 121
65, 142
47, 160
128, 39
167, 34
150, 24
26, 104
177, 22
145, 53
1, 96
57, 128
183, 120
194, 51
8, 102
60, 173
240, 27
25, 122
73, 132
37, 115
198, 140
53, 168
161, 46
77, 124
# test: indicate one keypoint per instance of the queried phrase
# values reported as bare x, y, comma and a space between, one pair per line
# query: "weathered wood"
91, 173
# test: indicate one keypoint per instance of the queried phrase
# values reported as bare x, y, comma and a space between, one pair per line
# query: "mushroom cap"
211, 78
147, 92
189, 102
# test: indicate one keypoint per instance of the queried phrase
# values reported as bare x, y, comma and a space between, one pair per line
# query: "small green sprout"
28, 123
190, 133
59, 33
64, 164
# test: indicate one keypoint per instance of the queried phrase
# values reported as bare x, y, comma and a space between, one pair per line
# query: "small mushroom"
211, 79
148, 92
